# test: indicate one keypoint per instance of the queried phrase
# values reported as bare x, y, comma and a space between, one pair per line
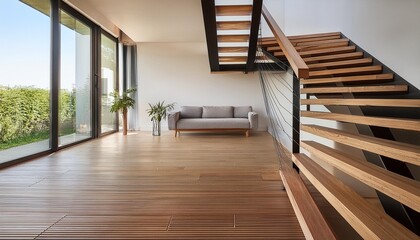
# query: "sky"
25, 48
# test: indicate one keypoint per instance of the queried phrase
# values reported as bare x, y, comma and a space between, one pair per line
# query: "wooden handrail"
296, 62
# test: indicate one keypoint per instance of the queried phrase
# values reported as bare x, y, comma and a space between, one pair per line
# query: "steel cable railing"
276, 79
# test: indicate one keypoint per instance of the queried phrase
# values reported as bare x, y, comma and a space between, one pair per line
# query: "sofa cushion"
191, 112
241, 112
213, 123
217, 112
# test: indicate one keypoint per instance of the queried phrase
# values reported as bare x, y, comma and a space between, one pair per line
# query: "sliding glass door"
49, 97
75, 95
25, 78
108, 82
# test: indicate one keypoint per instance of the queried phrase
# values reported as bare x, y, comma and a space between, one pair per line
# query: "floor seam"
42, 179
169, 223
51, 226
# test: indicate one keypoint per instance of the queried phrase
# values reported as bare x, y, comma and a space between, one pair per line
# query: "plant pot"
125, 126
156, 128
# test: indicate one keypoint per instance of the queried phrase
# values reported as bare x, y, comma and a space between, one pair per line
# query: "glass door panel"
25, 78
108, 82
75, 106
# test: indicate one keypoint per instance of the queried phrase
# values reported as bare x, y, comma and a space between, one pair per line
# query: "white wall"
180, 73
277, 10
387, 29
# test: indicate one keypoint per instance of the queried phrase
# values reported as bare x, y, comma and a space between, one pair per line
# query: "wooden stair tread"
265, 39
398, 123
268, 43
363, 102
309, 36
369, 221
233, 38
341, 71
358, 89
333, 57
325, 51
233, 59
316, 35
404, 190
233, 49
296, 41
311, 47
401, 151
345, 63
233, 10
373, 77
311, 220
272, 42
233, 25
322, 42
321, 46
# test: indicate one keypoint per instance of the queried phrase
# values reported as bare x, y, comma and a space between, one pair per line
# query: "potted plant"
123, 103
157, 112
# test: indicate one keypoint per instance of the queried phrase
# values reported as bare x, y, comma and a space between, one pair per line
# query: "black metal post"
124, 70
209, 16
96, 94
253, 36
296, 117
55, 73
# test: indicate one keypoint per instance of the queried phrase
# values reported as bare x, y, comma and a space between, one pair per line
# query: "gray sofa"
213, 118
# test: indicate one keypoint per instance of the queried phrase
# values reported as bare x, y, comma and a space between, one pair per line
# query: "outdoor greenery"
25, 115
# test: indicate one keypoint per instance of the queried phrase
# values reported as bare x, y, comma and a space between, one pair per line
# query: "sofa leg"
247, 133
176, 133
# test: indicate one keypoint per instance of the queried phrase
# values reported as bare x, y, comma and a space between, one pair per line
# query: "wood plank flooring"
196, 186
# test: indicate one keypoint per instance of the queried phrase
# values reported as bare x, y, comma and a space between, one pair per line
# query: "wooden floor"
192, 187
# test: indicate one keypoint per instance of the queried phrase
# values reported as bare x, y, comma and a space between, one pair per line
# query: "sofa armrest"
253, 120
173, 117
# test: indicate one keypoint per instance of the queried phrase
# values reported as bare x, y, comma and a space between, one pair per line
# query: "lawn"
31, 138
34, 137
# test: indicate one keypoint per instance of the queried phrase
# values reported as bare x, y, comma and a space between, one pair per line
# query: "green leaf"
158, 111
122, 102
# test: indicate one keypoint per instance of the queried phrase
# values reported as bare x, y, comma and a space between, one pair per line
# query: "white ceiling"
155, 20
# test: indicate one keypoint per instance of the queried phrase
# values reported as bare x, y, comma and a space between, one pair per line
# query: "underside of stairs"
231, 35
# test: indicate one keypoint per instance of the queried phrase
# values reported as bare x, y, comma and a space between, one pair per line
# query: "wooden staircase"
369, 95
357, 89
231, 34
370, 222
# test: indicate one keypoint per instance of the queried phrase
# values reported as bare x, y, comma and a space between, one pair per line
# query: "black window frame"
55, 67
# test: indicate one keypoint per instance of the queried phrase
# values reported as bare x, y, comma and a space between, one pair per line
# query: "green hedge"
25, 111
